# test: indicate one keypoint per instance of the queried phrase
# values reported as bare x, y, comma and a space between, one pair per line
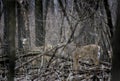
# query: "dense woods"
59, 40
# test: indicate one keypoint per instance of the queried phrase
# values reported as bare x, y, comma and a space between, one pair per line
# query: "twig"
39, 55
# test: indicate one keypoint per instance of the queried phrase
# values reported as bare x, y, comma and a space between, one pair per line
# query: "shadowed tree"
116, 47
21, 25
9, 35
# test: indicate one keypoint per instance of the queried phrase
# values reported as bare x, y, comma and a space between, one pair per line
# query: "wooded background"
37, 38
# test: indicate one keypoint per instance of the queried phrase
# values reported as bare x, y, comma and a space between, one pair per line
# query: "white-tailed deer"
91, 52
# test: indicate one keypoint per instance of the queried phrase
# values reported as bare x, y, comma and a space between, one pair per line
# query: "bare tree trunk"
21, 26
9, 34
32, 23
116, 47
40, 30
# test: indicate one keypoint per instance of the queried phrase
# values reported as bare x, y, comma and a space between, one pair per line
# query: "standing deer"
91, 52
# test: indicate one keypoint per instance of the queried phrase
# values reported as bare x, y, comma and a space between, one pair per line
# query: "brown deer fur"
91, 51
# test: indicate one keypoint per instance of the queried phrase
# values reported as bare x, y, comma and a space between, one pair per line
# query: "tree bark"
116, 47
31, 18
40, 30
21, 26
109, 17
9, 35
